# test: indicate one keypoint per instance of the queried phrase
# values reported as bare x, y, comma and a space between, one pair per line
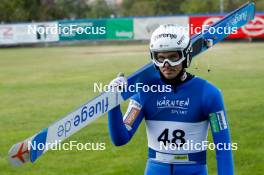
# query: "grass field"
39, 85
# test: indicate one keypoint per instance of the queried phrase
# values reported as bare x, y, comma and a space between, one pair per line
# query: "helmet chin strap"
182, 77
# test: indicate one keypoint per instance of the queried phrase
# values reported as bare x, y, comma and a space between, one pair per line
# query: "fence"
137, 28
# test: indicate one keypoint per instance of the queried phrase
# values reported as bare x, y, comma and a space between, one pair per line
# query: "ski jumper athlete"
176, 119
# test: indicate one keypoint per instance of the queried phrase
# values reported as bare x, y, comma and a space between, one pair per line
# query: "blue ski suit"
175, 121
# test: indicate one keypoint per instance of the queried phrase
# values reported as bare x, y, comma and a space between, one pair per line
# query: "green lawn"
39, 85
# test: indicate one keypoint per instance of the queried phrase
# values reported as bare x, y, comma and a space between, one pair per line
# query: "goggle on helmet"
168, 38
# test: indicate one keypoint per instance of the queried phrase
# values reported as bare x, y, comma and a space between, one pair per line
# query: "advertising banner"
254, 29
7, 34
115, 29
44, 32
120, 29
143, 27
82, 30
28, 33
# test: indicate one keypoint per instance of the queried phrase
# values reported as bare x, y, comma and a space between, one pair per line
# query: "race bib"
176, 137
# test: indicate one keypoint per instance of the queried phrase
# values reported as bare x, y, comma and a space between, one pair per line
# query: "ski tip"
19, 153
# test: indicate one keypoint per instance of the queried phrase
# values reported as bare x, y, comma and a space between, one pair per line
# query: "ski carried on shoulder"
233, 21
28, 151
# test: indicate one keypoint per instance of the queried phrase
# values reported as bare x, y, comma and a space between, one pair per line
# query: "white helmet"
168, 38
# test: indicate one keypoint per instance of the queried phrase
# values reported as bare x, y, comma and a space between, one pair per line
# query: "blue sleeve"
121, 128
214, 109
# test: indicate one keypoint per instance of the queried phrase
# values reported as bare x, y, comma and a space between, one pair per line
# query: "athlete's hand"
119, 83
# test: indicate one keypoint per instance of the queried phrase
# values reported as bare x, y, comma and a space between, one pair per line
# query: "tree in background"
12, 10
150, 7
205, 6
47, 10
259, 5
99, 9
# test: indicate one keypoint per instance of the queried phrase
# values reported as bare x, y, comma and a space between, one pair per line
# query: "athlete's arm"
123, 128
220, 129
